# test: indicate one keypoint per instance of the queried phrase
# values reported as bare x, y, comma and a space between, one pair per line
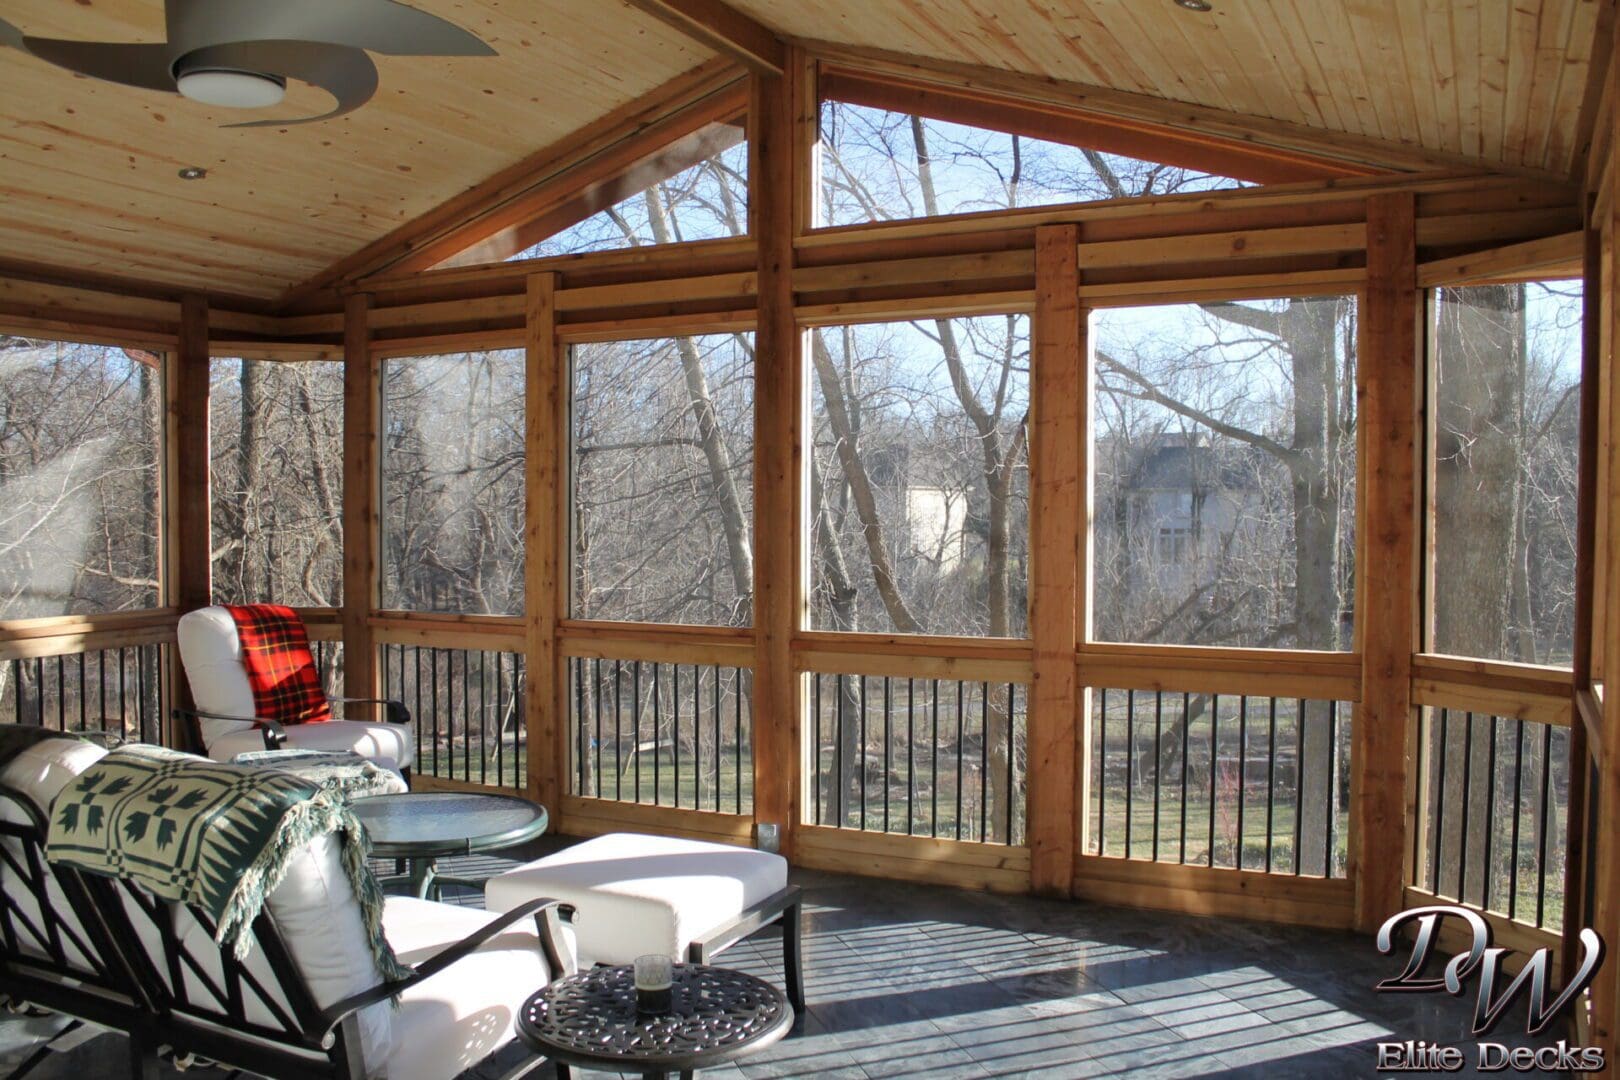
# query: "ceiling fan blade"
346, 73
10, 35
146, 66
382, 26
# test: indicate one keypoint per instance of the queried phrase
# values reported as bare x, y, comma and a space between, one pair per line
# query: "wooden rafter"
722, 28
705, 94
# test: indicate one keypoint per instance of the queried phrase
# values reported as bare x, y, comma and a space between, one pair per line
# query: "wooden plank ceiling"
1497, 81
88, 170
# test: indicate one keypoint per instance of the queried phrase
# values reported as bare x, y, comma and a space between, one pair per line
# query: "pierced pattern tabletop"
716, 1015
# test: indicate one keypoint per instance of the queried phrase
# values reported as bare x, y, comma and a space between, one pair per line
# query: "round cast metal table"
716, 1015
423, 827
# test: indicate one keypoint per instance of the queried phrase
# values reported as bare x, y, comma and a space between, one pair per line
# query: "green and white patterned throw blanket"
217, 836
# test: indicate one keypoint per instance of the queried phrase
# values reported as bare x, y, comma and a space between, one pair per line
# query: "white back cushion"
212, 655
39, 774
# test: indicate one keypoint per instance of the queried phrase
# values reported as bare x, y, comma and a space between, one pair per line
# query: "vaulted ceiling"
88, 170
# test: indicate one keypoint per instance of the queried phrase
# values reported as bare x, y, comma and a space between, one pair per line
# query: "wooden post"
779, 490
1389, 392
1605, 870
1057, 494
362, 431
1576, 913
188, 580
545, 581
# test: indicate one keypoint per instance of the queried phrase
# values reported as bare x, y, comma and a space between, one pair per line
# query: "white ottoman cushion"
641, 894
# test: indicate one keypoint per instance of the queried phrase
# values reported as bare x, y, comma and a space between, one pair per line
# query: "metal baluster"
635, 723
717, 755
862, 718
1490, 814
1467, 791
1243, 774
82, 657
815, 695
737, 745
596, 707
1333, 788
1130, 767
1012, 754
1271, 780
984, 760
1299, 781
1158, 766
933, 813
888, 744
658, 765
1102, 768
959, 755
483, 716
1186, 727
697, 737
911, 757
838, 751
675, 700
1518, 793
1439, 809
1541, 828
1214, 738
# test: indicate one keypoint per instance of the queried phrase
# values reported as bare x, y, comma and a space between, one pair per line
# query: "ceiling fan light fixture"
1195, 5
230, 89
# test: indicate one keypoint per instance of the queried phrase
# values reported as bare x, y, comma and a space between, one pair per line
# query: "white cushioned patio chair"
225, 720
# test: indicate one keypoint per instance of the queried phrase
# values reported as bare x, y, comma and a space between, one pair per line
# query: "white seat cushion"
641, 894
390, 746
452, 1021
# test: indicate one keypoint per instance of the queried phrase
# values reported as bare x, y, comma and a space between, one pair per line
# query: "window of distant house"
695, 190
276, 438
662, 485
919, 485
1506, 392
80, 445
878, 165
452, 471
1225, 457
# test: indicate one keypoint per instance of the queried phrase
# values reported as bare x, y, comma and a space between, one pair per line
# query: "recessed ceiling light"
193, 172
1196, 5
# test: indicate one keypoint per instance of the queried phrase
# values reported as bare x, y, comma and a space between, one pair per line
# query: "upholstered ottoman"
639, 894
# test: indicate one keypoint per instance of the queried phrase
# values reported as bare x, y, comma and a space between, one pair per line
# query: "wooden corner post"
188, 576
362, 491
779, 585
1057, 503
1389, 388
545, 577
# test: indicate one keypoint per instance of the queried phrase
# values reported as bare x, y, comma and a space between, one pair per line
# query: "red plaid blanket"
280, 669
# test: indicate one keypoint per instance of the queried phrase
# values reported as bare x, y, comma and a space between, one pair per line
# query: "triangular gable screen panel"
893, 150
704, 201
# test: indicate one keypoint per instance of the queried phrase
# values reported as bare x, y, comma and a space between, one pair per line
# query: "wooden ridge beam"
722, 28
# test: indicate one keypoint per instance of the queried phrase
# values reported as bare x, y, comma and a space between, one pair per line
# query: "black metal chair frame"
785, 907
147, 997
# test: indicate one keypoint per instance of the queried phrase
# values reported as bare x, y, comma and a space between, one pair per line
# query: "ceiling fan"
240, 53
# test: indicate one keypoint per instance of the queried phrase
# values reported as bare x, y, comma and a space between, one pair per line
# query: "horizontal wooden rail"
1521, 939
1258, 672
476, 632
961, 863
1199, 890
720, 646
593, 817
22, 639
1520, 691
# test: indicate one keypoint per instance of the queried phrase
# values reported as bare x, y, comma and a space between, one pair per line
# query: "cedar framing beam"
1389, 394
516, 193
724, 29
362, 489
1058, 439
188, 569
780, 585
545, 576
